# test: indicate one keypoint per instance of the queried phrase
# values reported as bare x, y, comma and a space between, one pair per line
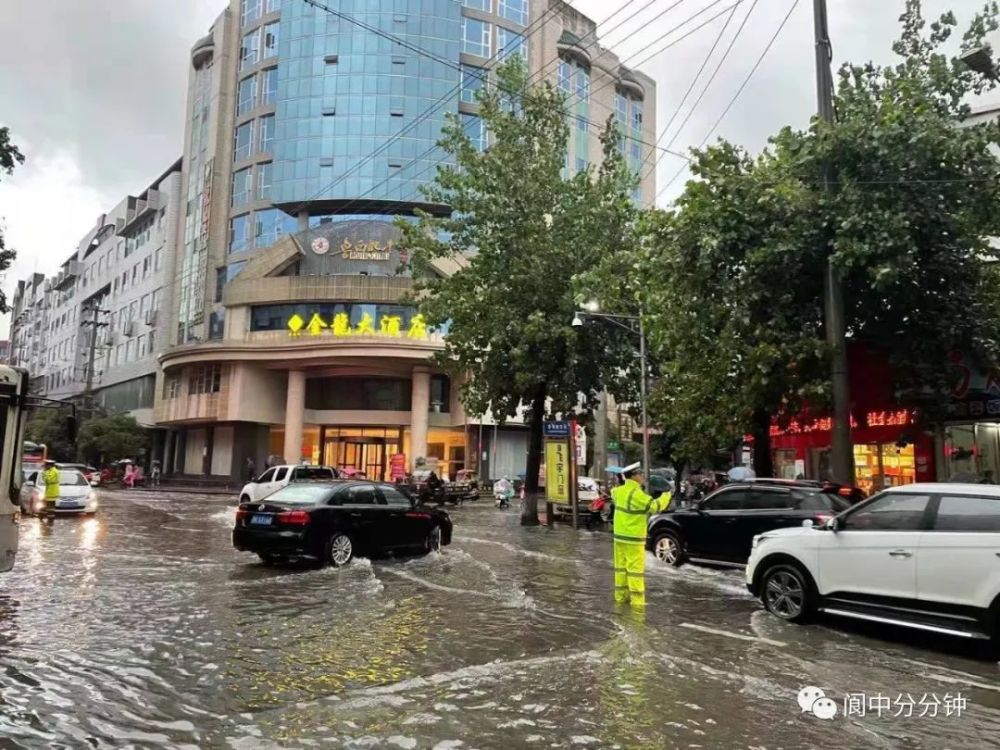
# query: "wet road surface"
143, 628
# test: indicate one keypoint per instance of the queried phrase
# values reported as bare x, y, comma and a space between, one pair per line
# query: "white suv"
278, 477
923, 556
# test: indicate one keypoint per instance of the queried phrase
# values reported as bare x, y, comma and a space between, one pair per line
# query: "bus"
13, 404
33, 457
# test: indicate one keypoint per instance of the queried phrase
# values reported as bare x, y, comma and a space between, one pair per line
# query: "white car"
75, 494
924, 556
278, 477
587, 492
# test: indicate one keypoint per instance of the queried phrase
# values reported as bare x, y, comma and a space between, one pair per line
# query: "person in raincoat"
632, 509
50, 480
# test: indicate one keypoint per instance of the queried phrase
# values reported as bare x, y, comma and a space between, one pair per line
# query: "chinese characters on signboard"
371, 250
340, 325
882, 418
557, 471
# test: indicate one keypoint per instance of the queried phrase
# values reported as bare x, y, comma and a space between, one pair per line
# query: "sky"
94, 92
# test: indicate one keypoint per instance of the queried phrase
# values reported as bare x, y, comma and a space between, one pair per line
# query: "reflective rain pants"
630, 570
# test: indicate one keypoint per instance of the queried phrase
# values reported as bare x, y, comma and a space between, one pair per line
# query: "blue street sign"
556, 429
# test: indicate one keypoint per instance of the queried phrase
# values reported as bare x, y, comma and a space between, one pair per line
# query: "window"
281, 473
476, 37
206, 379
130, 350
486, 5
267, 476
244, 141
394, 498
472, 82
968, 513
239, 233
581, 164
474, 128
636, 149
242, 186
270, 40
250, 49
246, 95
272, 5
768, 500
510, 43
311, 474
266, 133
220, 283
135, 273
581, 123
268, 86
361, 496
301, 495
896, 511
171, 386
140, 347
565, 75
636, 115
514, 10
216, 325
265, 173
251, 11
158, 259
621, 108
727, 500
583, 84
270, 225
147, 265
440, 400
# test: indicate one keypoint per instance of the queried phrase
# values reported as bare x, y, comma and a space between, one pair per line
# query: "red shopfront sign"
880, 418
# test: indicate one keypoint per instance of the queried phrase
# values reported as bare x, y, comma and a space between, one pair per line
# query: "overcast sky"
94, 92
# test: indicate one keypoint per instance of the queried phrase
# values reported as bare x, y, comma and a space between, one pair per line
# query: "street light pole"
842, 458
646, 465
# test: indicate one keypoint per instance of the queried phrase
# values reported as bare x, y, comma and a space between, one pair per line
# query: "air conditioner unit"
150, 318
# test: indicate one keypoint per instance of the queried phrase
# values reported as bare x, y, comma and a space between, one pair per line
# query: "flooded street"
143, 628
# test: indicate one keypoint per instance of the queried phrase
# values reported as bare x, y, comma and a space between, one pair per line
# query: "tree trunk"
529, 510
763, 463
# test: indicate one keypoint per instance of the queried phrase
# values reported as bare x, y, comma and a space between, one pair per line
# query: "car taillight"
845, 491
294, 518
821, 518
241, 515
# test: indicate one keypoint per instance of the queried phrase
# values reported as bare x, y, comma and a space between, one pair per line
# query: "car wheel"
245, 499
787, 592
340, 549
433, 541
669, 548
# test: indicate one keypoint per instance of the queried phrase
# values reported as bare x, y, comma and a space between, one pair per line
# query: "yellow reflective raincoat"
632, 509
50, 478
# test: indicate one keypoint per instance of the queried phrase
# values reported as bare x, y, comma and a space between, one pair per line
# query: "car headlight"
92, 501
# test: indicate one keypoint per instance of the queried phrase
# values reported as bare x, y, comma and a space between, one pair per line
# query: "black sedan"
333, 521
720, 528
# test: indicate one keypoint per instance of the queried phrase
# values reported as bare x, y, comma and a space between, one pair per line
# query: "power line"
736, 96
694, 81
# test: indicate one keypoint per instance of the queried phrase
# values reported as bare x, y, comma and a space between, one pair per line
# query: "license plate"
260, 520
67, 504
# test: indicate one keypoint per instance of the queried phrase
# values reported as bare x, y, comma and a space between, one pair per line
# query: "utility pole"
93, 324
601, 437
842, 456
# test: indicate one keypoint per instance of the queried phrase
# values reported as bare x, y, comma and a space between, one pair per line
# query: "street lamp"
635, 330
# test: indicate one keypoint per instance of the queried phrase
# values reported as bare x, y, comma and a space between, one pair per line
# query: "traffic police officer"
632, 509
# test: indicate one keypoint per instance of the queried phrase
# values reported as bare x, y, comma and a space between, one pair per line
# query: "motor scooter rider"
503, 491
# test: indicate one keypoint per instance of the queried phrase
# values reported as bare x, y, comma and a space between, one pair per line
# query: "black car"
333, 521
721, 527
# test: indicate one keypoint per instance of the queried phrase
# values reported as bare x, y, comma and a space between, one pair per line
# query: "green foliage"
48, 426
10, 156
732, 279
107, 438
531, 232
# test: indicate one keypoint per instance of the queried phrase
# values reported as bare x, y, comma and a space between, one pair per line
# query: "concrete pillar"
420, 405
168, 452
295, 405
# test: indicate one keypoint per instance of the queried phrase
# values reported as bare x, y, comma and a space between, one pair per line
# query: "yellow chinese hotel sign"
340, 326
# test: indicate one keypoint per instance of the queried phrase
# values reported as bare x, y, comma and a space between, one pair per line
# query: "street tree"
732, 278
519, 231
10, 156
111, 437
49, 427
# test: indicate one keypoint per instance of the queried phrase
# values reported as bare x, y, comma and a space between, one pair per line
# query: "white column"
295, 405
419, 406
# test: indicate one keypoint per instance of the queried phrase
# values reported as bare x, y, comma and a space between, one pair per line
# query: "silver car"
75, 494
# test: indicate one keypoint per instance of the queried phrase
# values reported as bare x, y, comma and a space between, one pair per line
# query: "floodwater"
143, 628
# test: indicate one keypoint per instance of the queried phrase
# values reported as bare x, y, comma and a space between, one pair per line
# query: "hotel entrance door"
361, 449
